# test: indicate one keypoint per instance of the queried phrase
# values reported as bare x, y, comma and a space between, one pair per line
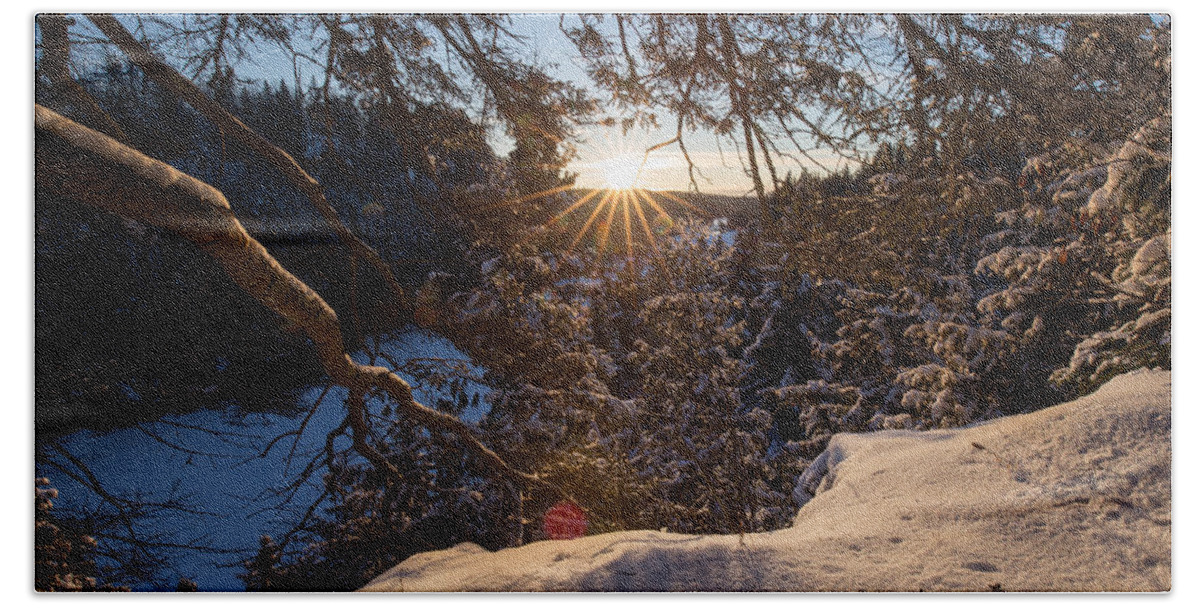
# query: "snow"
233, 484
1122, 169
1072, 497
884, 184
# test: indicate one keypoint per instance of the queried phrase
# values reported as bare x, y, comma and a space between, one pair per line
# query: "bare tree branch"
57, 61
168, 78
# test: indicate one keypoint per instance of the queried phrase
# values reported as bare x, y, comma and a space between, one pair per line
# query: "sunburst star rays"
602, 214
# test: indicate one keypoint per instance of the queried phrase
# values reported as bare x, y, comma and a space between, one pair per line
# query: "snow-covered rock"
1073, 497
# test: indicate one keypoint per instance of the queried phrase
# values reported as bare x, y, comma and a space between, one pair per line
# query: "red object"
565, 521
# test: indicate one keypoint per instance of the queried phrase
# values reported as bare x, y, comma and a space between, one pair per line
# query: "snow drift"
1076, 497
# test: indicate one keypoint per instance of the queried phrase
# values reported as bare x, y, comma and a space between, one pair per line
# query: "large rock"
1075, 497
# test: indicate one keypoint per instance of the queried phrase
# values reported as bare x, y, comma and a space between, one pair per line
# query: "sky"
605, 150
602, 153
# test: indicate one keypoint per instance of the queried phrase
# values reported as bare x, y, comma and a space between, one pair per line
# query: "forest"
942, 219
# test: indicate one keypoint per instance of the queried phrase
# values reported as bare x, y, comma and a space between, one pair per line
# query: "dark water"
235, 480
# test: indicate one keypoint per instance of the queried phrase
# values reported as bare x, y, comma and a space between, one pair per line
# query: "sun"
618, 215
620, 172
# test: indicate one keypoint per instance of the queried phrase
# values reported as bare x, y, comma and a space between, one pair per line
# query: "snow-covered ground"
234, 482
1073, 497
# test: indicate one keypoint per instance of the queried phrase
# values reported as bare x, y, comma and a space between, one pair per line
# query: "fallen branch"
76, 162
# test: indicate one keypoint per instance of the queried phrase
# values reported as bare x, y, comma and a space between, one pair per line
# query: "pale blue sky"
599, 149
719, 166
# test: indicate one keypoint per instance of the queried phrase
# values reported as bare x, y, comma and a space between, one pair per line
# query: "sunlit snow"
1073, 497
